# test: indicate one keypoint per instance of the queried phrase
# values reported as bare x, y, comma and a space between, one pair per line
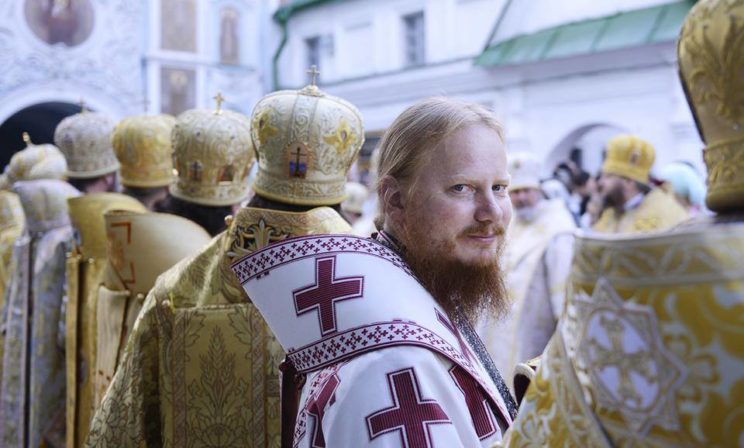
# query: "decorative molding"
109, 61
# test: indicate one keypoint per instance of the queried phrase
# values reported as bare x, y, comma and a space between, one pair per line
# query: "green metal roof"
622, 30
283, 13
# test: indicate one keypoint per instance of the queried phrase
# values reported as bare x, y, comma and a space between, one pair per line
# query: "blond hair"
418, 131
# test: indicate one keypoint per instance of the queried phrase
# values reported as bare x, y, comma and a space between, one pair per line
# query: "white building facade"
125, 57
563, 77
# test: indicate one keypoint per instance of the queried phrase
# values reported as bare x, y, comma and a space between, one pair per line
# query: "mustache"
485, 229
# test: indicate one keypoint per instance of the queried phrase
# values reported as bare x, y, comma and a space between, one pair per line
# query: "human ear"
391, 196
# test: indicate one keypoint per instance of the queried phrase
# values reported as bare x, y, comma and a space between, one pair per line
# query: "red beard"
469, 288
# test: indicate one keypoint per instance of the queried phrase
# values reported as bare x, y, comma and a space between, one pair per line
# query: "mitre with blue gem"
212, 154
306, 142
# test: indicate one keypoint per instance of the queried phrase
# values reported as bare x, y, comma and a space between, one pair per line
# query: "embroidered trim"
257, 264
356, 341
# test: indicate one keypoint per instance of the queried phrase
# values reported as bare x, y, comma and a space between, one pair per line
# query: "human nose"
488, 208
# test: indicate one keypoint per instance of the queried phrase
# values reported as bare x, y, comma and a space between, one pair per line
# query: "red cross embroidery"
410, 414
464, 348
326, 292
480, 412
317, 408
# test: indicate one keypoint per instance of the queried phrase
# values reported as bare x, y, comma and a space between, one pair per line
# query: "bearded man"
630, 204
379, 331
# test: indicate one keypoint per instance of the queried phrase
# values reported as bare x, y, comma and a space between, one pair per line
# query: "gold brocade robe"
534, 286
141, 246
658, 211
650, 349
32, 395
11, 228
201, 367
84, 269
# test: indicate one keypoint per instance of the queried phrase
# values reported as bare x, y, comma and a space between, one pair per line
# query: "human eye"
499, 188
461, 188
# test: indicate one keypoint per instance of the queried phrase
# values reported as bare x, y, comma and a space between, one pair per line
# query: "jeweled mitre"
143, 146
213, 154
85, 140
306, 141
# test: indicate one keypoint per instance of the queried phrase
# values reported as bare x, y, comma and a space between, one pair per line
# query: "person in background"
212, 155
630, 203
356, 195
85, 140
142, 145
687, 185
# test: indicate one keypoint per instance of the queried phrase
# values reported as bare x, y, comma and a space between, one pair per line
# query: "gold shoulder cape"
141, 247
658, 211
201, 367
84, 269
650, 349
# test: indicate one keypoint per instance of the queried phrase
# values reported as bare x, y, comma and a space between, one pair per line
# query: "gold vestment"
32, 391
141, 247
200, 368
85, 265
658, 211
650, 349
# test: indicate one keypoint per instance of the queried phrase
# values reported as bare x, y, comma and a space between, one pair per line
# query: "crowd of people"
216, 280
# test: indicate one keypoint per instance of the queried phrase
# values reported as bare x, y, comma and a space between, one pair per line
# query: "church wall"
45, 55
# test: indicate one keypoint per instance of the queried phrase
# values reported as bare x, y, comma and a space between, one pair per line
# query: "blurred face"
612, 191
524, 201
453, 221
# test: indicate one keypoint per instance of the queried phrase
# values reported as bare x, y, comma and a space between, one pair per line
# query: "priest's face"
455, 215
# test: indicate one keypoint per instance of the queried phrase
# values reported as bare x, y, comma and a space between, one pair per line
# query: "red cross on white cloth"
480, 412
317, 408
411, 415
326, 292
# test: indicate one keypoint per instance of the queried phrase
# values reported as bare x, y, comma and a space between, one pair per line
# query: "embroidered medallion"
620, 348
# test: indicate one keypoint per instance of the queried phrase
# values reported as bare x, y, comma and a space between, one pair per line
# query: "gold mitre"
34, 162
306, 141
44, 203
629, 156
212, 153
85, 140
11, 210
143, 146
710, 65
86, 213
141, 246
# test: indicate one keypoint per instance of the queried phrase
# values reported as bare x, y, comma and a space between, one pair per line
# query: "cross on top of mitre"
314, 73
219, 99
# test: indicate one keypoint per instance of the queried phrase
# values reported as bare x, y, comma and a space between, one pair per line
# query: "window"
319, 52
413, 36
312, 44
